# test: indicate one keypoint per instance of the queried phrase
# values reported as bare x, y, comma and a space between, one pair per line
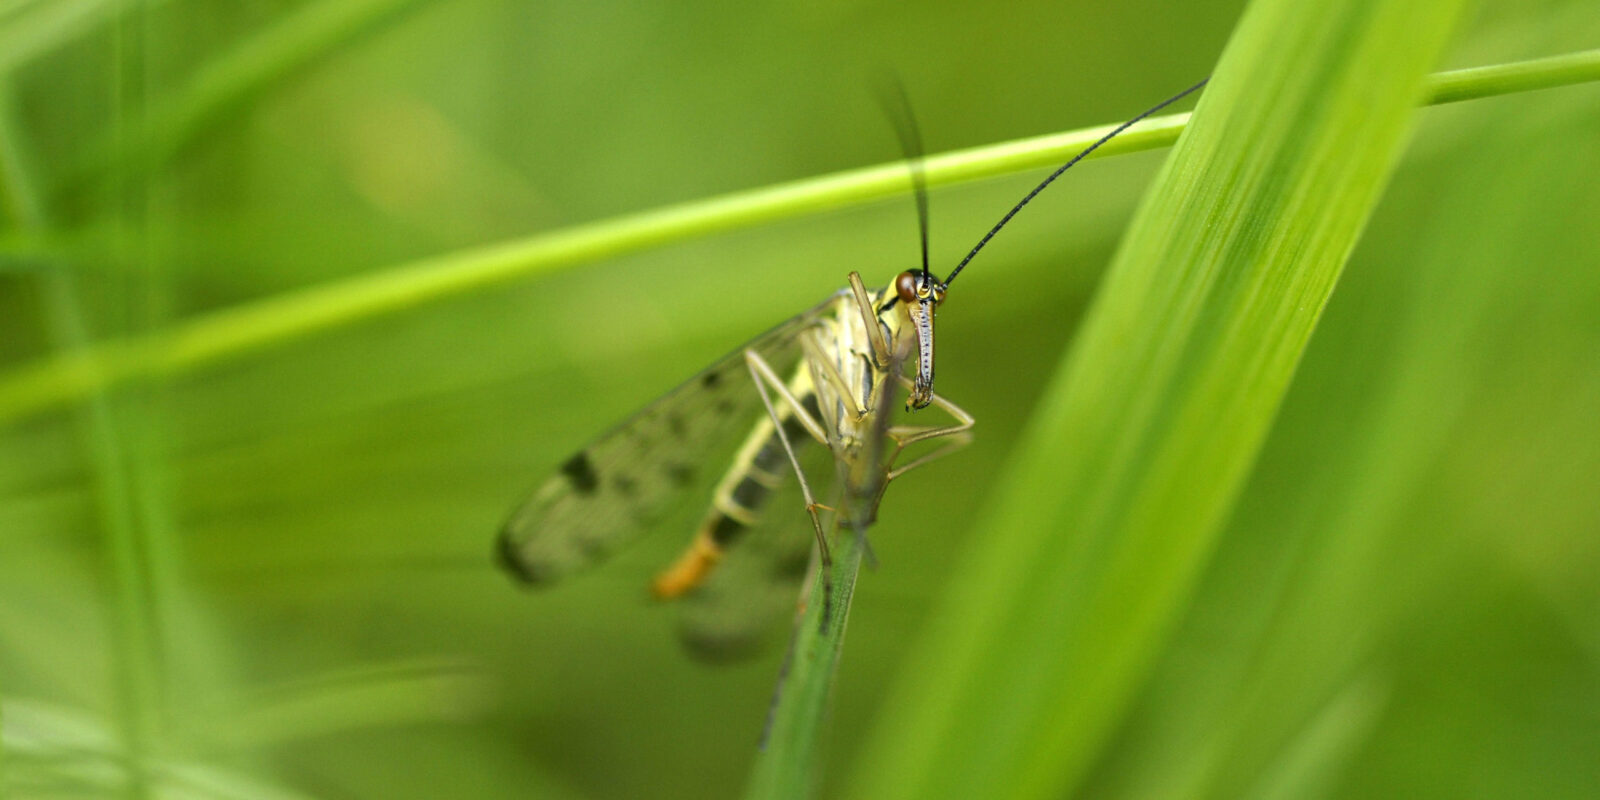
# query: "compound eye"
905, 285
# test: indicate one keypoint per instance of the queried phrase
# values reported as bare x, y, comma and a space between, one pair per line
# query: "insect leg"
937, 453
765, 377
737, 498
958, 436
879, 357
904, 435
829, 373
869, 317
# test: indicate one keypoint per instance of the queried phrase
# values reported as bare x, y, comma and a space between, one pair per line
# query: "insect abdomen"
760, 468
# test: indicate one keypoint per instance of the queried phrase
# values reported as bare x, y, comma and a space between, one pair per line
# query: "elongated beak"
922, 324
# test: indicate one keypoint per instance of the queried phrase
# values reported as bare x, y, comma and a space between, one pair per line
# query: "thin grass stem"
286, 317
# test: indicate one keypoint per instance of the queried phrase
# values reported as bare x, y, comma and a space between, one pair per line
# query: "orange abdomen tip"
689, 571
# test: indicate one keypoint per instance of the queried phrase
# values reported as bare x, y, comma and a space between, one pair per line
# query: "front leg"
958, 435
767, 380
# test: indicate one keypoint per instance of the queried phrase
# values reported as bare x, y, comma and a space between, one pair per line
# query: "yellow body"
840, 379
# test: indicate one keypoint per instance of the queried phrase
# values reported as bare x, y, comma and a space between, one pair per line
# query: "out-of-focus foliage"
270, 577
1117, 496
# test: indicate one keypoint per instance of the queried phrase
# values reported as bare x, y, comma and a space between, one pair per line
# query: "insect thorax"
841, 338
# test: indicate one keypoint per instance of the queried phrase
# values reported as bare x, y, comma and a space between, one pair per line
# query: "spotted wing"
607, 494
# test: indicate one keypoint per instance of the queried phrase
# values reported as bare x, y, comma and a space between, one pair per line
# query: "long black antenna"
1064, 167
897, 106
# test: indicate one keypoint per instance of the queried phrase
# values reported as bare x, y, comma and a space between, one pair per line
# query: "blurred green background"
271, 576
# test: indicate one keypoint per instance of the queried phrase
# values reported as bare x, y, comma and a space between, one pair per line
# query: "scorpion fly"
820, 378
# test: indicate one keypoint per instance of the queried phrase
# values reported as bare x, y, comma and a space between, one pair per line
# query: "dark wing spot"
676, 424
725, 406
580, 472
640, 440
625, 486
679, 474
711, 380
511, 561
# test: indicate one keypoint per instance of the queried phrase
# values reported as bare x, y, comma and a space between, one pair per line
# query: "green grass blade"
367, 696
1144, 439
277, 320
64, 752
1324, 747
44, 27
298, 41
1332, 569
1523, 76
787, 765
137, 664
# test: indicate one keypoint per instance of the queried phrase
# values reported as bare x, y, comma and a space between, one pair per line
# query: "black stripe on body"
771, 459
726, 530
756, 485
795, 430
751, 493
809, 403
